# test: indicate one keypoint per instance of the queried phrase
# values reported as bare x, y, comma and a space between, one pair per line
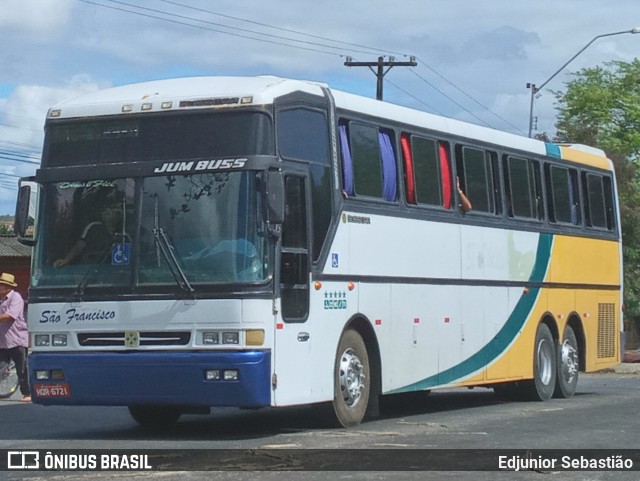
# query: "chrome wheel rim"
569, 357
351, 377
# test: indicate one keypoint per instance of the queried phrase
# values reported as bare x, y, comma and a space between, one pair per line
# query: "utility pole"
380, 72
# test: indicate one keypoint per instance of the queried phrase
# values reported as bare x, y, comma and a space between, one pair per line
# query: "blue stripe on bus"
553, 150
504, 337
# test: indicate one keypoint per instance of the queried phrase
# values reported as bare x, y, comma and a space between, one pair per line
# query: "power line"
467, 95
208, 28
450, 98
430, 107
297, 32
17, 154
22, 161
184, 17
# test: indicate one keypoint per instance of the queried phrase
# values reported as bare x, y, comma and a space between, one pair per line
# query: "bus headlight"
232, 337
231, 375
210, 338
59, 340
41, 340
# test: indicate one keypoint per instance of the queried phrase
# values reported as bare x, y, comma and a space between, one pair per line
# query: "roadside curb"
623, 368
627, 368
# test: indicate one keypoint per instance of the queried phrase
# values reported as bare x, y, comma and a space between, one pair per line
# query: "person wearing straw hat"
14, 338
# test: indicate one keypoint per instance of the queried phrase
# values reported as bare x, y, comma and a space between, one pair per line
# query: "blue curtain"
347, 162
389, 172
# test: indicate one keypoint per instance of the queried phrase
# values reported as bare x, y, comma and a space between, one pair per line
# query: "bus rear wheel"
352, 380
542, 386
568, 365
153, 417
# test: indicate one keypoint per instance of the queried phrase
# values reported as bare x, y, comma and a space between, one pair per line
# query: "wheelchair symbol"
120, 254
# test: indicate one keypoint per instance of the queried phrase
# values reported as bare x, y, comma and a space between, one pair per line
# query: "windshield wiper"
82, 285
167, 252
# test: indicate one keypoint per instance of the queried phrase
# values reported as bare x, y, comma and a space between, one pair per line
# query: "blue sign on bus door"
120, 254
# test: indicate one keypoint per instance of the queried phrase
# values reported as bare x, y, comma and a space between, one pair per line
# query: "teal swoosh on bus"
504, 337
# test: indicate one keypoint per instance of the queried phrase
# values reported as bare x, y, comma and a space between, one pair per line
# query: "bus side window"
476, 173
598, 201
523, 188
368, 162
563, 197
427, 172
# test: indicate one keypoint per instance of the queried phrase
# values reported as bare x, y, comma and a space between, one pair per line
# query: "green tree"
601, 108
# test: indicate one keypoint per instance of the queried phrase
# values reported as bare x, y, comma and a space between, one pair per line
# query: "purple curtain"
389, 172
347, 162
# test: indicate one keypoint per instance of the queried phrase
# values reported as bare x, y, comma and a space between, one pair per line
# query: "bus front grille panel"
606, 330
161, 338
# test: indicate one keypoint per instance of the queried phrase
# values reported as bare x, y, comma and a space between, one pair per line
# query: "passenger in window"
98, 238
464, 202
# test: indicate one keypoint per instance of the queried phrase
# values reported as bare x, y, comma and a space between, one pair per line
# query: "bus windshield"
189, 230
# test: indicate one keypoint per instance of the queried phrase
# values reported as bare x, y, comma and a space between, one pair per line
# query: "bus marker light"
254, 337
57, 374
43, 375
279, 326
212, 374
378, 322
166, 105
127, 108
317, 285
526, 290
351, 286
56, 113
246, 100
59, 340
147, 106
446, 320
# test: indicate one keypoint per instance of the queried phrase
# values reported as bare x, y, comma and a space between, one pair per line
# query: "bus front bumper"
161, 378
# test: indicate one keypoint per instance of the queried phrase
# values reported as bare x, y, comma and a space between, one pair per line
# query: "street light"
535, 89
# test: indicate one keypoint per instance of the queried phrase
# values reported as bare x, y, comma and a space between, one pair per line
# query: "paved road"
603, 414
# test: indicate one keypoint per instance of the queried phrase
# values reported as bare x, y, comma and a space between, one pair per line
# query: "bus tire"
155, 418
352, 380
568, 365
545, 357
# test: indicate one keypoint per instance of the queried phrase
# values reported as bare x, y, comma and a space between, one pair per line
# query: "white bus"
254, 242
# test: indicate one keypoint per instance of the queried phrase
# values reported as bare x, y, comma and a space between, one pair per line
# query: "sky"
475, 57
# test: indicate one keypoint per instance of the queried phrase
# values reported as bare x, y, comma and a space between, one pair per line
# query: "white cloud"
25, 109
35, 16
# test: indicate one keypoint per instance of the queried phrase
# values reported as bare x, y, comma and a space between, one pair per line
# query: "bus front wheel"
352, 379
155, 417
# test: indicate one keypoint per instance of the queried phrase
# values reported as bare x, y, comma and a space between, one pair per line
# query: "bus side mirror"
275, 198
25, 212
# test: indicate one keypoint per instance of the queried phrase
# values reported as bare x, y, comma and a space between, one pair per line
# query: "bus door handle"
303, 336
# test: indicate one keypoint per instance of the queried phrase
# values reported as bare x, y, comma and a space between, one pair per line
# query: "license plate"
52, 390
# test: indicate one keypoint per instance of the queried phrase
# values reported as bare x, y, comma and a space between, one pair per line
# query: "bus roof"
226, 92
